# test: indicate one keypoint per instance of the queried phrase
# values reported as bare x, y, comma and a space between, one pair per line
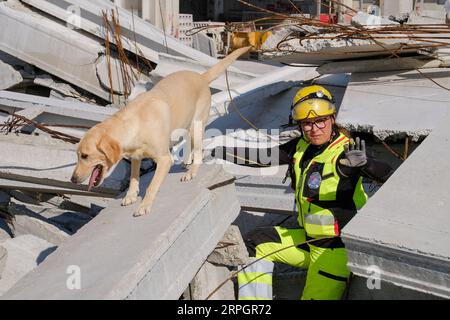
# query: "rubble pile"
310, 41
61, 74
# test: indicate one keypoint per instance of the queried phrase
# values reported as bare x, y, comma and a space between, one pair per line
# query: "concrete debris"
27, 221
208, 279
362, 19
150, 39
25, 30
169, 64
68, 221
231, 250
191, 242
157, 261
3, 257
52, 163
53, 111
205, 44
256, 91
61, 90
24, 253
14, 183
381, 65
9, 77
5, 230
392, 105
392, 237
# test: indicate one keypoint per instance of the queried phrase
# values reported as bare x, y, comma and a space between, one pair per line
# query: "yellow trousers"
327, 274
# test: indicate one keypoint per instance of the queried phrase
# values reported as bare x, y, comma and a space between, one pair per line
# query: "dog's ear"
111, 149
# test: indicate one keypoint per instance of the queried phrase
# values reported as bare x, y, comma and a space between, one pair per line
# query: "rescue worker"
326, 169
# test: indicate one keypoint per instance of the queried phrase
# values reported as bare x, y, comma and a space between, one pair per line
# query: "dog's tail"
213, 73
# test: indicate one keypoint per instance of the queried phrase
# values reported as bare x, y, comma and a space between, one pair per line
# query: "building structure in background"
164, 14
220, 10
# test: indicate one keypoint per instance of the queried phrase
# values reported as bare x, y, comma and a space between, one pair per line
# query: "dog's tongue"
94, 177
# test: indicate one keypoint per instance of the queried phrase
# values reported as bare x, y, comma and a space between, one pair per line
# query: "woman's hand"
354, 154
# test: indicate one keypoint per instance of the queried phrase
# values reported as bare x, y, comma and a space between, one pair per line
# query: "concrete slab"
169, 64
9, 76
153, 257
60, 90
362, 19
24, 253
259, 89
40, 187
54, 111
27, 35
28, 222
387, 291
52, 163
149, 38
404, 230
395, 104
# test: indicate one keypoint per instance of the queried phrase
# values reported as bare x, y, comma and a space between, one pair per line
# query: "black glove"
354, 154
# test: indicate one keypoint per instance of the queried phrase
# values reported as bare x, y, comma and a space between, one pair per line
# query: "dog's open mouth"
96, 177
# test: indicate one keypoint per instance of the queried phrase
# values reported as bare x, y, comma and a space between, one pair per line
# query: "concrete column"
318, 8
161, 13
397, 7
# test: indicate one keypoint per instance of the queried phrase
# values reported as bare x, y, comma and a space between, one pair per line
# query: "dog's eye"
84, 156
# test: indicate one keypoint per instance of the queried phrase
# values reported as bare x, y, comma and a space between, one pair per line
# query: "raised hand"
354, 154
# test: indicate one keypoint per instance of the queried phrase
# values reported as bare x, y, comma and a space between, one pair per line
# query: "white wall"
394, 7
165, 17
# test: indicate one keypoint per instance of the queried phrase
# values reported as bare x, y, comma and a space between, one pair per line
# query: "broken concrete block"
68, 220
24, 30
49, 111
362, 19
163, 251
3, 257
9, 77
24, 253
231, 250
368, 100
209, 278
61, 90
402, 234
136, 31
52, 163
28, 222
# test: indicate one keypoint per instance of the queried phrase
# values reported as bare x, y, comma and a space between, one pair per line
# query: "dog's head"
97, 153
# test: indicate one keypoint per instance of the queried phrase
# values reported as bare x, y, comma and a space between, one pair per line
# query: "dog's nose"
74, 179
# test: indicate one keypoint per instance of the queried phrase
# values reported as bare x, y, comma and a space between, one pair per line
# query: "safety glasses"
307, 126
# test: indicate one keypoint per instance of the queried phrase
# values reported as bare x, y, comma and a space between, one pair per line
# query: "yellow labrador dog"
144, 127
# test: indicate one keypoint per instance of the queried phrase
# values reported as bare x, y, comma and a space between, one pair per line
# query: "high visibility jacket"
325, 201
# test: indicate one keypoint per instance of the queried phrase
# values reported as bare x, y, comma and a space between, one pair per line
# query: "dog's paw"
129, 199
188, 177
142, 211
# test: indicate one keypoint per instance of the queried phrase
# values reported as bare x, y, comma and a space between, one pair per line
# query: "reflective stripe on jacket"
323, 199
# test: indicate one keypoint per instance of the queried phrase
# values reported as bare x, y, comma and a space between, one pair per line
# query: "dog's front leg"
133, 191
163, 165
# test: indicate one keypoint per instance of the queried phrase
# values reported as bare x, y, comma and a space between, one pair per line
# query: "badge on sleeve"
314, 181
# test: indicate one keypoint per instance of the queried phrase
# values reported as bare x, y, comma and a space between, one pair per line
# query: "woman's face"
318, 131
